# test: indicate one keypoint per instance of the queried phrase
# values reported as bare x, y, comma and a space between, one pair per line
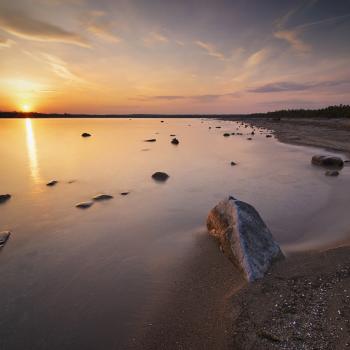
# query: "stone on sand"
243, 237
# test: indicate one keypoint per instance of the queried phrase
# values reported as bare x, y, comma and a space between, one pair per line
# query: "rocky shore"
302, 303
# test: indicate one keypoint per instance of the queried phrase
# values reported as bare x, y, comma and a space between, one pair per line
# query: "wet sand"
303, 303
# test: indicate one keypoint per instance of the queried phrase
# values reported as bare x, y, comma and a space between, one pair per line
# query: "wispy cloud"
4, 42
257, 57
155, 38
58, 66
199, 98
288, 86
21, 25
210, 50
293, 39
293, 35
98, 24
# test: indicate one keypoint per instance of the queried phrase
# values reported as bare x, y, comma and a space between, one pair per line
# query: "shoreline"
302, 303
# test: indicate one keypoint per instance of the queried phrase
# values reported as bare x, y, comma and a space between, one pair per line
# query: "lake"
86, 279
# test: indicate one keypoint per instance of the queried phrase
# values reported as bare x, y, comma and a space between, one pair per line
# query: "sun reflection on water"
32, 151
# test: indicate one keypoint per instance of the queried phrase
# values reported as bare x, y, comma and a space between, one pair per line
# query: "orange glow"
26, 108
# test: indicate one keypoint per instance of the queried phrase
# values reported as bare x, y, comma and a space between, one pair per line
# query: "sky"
173, 57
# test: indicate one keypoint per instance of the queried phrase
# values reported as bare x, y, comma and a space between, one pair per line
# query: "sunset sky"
183, 56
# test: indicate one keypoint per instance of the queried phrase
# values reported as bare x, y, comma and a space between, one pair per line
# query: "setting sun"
26, 108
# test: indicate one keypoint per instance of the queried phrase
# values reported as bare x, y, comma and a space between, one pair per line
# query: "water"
86, 279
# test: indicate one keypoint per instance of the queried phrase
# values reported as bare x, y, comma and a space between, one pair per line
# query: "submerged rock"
85, 134
226, 134
4, 236
84, 205
172, 135
151, 140
4, 197
160, 176
268, 136
243, 237
233, 163
52, 183
249, 138
175, 141
327, 161
332, 173
124, 193
102, 197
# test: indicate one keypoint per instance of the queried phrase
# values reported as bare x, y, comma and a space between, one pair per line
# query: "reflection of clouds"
32, 154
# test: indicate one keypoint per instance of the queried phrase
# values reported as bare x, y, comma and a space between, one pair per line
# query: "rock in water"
226, 134
151, 140
85, 134
327, 161
332, 173
243, 237
124, 193
4, 236
52, 183
102, 197
4, 197
233, 163
175, 141
84, 205
160, 176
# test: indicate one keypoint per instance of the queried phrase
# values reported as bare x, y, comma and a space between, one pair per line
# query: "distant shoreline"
341, 111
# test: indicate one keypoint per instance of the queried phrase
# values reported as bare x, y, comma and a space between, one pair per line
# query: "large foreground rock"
243, 237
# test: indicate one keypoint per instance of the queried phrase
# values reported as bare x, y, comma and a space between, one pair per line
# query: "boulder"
85, 134
4, 197
160, 176
268, 136
102, 197
226, 134
243, 237
84, 205
4, 236
52, 183
175, 141
327, 161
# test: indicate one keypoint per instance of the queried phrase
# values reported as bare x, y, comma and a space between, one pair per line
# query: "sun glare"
26, 108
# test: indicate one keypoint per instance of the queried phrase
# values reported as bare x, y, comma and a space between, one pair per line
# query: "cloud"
19, 24
57, 66
155, 38
256, 58
210, 49
6, 42
287, 86
97, 23
199, 98
292, 38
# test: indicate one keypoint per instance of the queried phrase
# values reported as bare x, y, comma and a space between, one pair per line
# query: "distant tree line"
341, 111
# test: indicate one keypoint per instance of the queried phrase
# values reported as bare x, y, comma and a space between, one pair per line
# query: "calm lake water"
84, 279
